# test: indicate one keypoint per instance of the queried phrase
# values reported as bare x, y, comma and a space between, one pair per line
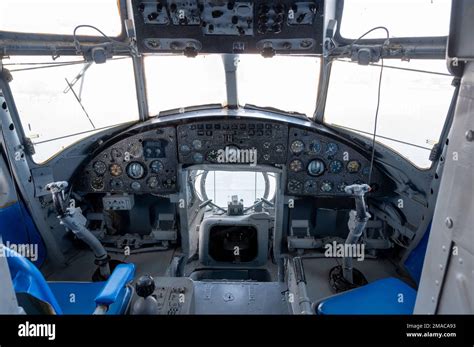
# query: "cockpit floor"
81, 267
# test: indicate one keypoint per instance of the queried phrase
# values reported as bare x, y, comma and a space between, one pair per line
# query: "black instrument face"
329, 165
227, 26
142, 163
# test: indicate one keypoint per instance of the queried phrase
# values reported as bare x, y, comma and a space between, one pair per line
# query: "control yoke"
73, 219
346, 276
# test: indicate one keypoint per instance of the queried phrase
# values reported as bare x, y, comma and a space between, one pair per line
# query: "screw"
469, 135
449, 222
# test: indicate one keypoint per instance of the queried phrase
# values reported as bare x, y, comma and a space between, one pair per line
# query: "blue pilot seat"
385, 296
71, 297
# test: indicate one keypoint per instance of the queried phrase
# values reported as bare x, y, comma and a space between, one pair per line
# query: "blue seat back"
28, 279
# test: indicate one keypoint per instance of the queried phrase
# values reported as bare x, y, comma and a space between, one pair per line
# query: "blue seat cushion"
385, 296
78, 297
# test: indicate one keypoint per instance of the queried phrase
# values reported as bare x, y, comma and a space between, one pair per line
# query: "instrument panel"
148, 162
227, 26
145, 162
202, 143
319, 165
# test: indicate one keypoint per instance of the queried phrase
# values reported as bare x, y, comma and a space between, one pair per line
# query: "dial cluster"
228, 142
141, 163
321, 165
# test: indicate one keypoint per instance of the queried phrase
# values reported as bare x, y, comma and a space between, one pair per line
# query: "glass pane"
49, 114
413, 105
178, 81
288, 83
249, 186
60, 16
403, 18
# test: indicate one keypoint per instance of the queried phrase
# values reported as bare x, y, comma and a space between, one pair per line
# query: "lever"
73, 219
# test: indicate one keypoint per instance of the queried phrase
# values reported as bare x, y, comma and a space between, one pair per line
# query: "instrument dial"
135, 185
341, 186
197, 144
185, 149
295, 186
331, 148
212, 156
153, 182
99, 167
156, 166
315, 146
97, 183
115, 170
353, 166
326, 186
198, 157
296, 165
297, 146
335, 166
279, 148
116, 184
310, 187
135, 170
316, 167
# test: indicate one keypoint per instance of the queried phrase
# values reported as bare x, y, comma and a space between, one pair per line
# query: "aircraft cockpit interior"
200, 157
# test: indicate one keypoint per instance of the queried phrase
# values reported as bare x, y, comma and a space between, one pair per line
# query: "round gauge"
297, 146
99, 167
279, 148
152, 152
197, 144
335, 166
135, 150
315, 146
310, 187
267, 145
185, 149
115, 153
353, 166
135, 170
135, 185
316, 167
331, 148
97, 183
212, 156
266, 157
156, 166
115, 170
197, 157
326, 186
296, 165
295, 186
116, 184
341, 186
153, 182
366, 171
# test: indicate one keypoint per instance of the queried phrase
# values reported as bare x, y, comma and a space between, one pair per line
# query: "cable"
375, 122
77, 43
360, 37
